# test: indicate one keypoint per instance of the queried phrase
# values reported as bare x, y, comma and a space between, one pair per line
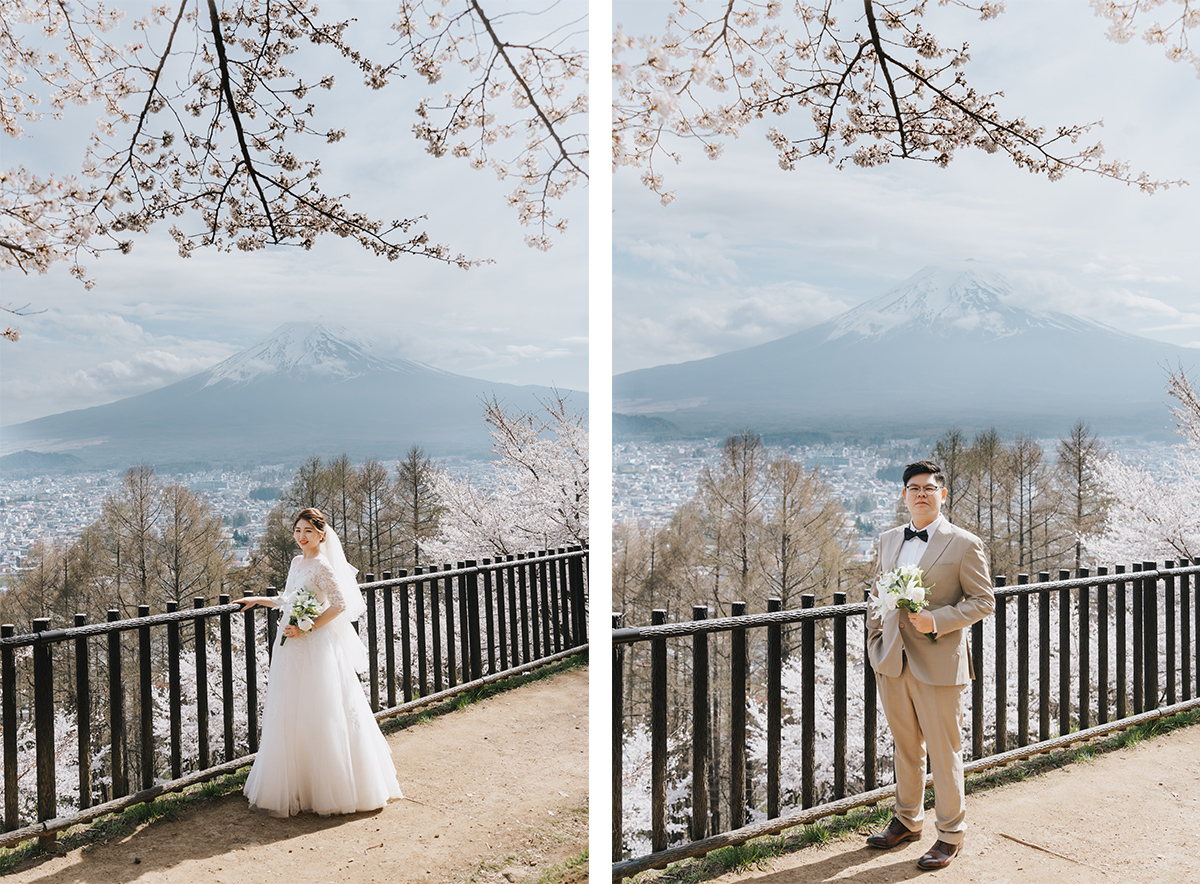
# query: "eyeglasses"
922, 489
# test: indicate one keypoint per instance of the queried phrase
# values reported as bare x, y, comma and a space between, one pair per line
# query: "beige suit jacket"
955, 569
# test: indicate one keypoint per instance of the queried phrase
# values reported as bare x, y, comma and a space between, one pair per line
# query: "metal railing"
429, 635
1142, 660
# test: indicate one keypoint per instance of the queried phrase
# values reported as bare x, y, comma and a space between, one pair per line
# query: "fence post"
1139, 636
273, 615
1171, 614
737, 722
977, 689
546, 594
840, 664
372, 643
116, 710
514, 619
1102, 648
700, 727
1023, 663
252, 675
558, 602
808, 704
1150, 645
658, 736
43, 725
8, 686
146, 699
1122, 649
528, 615
226, 627
83, 716
1185, 633
466, 626
774, 707
503, 614
578, 597
1043, 658
1085, 653
389, 642
1001, 654
1196, 629
405, 641
422, 664
1064, 656
618, 739
435, 618
472, 584
568, 610
490, 615
174, 692
451, 652
870, 714
200, 627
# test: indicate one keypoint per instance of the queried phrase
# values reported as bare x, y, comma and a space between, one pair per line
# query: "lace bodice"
317, 574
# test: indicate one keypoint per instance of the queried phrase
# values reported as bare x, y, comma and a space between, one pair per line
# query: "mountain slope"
307, 389
945, 347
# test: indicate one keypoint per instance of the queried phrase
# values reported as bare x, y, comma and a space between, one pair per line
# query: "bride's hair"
313, 515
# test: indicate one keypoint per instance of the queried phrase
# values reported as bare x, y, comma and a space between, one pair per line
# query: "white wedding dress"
321, 749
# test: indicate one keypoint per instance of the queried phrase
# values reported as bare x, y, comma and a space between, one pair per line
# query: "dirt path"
1126, 817
502, 785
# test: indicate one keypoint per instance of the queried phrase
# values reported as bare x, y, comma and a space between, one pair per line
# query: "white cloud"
213, 304
1082, 245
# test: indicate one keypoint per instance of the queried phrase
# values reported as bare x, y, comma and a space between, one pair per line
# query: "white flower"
305, 624
884, 602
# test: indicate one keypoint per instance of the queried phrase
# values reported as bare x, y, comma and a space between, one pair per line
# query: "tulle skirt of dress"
321, 749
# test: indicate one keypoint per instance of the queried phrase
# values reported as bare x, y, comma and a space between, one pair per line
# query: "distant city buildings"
58, 507
652, 479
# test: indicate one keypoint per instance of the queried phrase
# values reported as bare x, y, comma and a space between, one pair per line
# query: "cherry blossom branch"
897, 107
235, 116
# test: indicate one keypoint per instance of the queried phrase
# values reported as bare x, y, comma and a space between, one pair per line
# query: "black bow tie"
909, 534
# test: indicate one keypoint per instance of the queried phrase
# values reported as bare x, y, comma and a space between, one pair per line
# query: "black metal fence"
1087, 653
180, 702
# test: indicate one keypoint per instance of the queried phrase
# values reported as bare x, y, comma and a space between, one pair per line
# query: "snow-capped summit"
305, 349
952, 299
952, 345
307, 389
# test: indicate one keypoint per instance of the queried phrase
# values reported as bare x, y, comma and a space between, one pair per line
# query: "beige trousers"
921, 715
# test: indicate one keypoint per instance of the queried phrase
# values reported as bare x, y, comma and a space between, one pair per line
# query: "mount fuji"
307, 389
947, 347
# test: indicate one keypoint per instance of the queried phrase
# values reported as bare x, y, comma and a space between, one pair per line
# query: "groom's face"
924, 505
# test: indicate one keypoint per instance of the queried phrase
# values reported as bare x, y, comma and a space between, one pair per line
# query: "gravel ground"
497, 791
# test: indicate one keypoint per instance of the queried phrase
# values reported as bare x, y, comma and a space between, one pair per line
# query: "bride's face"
307, 536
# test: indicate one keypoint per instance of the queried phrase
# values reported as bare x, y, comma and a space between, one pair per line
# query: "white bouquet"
900, 588
304, 610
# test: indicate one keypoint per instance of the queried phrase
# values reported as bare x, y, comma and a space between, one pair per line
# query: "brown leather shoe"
895, 833
939, 856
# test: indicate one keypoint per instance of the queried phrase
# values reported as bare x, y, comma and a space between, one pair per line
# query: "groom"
921, 682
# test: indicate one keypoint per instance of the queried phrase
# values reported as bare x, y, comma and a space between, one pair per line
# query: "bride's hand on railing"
251, 600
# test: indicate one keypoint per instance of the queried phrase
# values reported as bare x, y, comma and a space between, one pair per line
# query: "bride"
321, 749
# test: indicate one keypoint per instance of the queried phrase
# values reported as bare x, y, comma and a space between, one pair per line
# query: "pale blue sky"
154, 318
749, 253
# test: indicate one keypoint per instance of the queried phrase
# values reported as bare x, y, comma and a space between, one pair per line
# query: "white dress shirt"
912, 550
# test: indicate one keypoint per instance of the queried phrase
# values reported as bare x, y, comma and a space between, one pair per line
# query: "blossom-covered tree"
862, 83
210, 123
1155, 516
538, 494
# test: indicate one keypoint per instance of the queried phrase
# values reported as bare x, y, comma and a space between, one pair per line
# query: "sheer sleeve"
327, 587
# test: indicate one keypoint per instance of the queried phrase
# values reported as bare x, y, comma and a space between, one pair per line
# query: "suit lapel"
937, 545
891, 549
